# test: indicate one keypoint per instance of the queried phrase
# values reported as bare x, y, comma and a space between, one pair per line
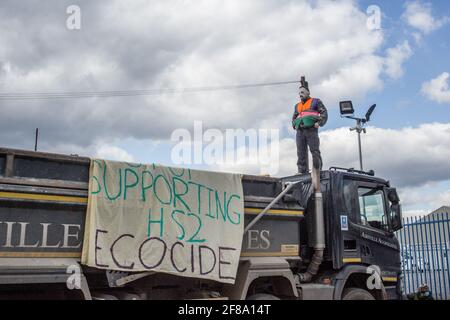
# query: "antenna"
36, 139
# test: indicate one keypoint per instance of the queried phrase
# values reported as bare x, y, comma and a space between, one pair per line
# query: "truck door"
377, 244
368, 237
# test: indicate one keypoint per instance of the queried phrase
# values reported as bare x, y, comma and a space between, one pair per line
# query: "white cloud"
267, 50
395, 58
145, 45
112, 152
426, 196
347, 79
437, 89
419, 15
406, 156
420, 201
414, 212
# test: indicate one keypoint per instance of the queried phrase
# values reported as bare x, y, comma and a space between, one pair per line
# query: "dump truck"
328, 237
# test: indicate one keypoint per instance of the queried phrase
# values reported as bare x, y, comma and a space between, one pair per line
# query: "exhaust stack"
318, 239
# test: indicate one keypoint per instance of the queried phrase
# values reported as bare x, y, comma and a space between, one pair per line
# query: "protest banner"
155, 218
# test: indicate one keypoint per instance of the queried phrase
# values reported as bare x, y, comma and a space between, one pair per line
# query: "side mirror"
393, 195
396, 209
396, 217
346, 108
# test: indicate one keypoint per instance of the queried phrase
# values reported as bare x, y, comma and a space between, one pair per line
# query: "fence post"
426, 259
437, 258
446, 239
411, 271
440, 224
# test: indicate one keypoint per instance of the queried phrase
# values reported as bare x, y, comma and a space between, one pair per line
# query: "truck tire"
262, 296
356, 294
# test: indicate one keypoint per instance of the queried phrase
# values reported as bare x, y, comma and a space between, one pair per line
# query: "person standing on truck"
309, 115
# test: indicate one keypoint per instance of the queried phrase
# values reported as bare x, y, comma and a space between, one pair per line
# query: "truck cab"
361, 214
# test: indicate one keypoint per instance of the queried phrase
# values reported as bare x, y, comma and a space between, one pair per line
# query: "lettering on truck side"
24, 235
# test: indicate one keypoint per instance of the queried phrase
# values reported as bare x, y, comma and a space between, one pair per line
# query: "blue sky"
400, 103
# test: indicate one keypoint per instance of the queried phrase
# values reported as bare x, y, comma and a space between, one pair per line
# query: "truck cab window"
371, 208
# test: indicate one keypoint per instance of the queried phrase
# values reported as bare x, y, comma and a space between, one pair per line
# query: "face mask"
304, 93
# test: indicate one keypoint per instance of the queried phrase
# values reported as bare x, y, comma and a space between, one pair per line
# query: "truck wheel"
262, 296
356, 294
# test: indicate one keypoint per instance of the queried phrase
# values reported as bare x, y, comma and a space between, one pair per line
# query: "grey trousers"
308, 138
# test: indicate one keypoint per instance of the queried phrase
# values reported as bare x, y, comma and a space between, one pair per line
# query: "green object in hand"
305, 122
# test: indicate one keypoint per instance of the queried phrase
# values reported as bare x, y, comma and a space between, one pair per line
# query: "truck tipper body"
43, 203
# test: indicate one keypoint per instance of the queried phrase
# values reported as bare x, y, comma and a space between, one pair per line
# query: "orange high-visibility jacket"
308, 108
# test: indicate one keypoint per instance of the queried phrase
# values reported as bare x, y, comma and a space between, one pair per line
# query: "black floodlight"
346, 108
